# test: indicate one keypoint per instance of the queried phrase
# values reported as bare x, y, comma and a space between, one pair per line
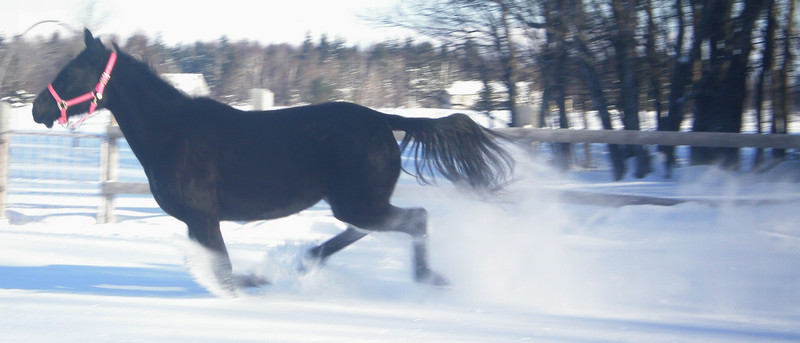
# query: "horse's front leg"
207, 233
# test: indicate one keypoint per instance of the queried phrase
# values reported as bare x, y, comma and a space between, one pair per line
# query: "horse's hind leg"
338, 242
411, 221
414, 221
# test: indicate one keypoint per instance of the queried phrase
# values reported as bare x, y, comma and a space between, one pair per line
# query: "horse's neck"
145, 106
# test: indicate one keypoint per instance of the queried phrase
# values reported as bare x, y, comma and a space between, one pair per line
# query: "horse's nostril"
39, 112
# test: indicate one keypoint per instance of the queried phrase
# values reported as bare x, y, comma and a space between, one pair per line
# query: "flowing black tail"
458, 148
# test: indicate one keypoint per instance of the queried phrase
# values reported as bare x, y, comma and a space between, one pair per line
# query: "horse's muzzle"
44, 112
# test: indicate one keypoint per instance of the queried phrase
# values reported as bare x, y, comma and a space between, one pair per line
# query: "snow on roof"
191, 84
475, 87
465, 87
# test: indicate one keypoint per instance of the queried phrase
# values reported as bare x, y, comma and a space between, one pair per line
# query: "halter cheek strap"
95, 95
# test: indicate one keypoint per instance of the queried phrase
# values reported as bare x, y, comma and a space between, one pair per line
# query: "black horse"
208, 162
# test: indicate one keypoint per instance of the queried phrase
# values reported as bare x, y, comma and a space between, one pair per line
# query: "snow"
465, 88
525, 267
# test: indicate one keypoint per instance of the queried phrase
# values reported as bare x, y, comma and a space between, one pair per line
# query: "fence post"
263, 99
5, 137
109, 171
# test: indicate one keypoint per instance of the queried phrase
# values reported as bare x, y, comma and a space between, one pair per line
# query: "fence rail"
111, 186
704, 139
5, 110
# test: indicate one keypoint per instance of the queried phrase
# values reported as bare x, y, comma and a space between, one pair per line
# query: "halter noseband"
95, 96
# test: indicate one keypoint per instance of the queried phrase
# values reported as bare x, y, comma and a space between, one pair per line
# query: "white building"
465, 94
191, 84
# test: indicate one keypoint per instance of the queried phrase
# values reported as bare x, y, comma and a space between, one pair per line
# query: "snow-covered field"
527, 268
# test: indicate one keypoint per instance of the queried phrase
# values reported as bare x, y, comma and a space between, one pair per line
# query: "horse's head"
75, 90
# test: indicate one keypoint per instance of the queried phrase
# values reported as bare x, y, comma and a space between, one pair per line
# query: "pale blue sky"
189, 21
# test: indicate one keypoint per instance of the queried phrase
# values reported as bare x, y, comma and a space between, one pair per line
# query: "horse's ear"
88, 38
91, 42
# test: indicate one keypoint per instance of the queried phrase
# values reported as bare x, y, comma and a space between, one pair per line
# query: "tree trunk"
681, 78
723, 87
556, 52
508, 56
780, 89
766, 70
595, 86
709, 32
625, 44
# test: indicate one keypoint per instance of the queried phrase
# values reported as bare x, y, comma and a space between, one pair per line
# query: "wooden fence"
111, 186
5, 114
704, 139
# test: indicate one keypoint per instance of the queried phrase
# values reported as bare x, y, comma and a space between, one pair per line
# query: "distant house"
466, 94
191, 84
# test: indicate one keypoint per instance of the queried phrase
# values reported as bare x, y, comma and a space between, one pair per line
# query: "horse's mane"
143, 59
145, 73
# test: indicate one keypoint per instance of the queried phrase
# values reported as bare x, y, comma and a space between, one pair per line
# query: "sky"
190, 21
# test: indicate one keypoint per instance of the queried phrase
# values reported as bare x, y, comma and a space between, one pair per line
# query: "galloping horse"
206, 161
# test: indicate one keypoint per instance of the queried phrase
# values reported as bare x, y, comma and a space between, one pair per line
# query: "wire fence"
60, 159
62, 170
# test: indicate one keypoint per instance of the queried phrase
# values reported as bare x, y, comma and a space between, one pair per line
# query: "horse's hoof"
308, 263
432, 279
249, 281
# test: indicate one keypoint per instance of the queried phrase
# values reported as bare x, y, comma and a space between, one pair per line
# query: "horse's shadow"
151, 281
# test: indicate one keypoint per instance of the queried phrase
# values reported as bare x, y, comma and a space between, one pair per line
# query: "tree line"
397, 73
706, 58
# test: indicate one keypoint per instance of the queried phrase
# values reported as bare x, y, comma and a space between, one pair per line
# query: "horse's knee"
413, 221
417, 222
207, 233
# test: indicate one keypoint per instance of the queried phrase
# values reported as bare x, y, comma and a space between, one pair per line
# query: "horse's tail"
458, 148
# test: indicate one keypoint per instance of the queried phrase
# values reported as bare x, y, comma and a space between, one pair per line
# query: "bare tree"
780, 80
765, 72
568, 33
553, 65
488, 24
725, 32
682, 62
625, 24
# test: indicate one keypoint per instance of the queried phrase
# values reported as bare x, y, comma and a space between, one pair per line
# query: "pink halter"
95, 96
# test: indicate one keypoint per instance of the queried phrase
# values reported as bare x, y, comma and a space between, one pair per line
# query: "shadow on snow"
155, 281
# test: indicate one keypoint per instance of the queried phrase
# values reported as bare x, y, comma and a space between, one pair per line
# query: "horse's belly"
265, 206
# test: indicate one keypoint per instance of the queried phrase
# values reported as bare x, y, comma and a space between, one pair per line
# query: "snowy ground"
528, 268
